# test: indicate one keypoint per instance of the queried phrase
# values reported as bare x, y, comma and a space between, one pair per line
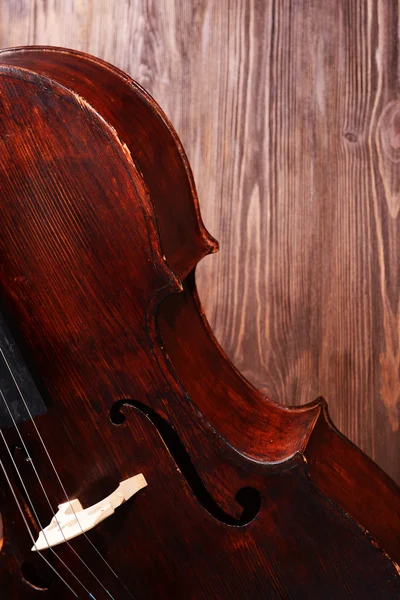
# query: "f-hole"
249, 498
37, 576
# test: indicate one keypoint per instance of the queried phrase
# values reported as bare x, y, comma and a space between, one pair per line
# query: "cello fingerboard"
20, 398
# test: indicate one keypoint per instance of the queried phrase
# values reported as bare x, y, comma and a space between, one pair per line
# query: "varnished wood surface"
289, 114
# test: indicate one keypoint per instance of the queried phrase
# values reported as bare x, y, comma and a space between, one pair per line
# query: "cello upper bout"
149, 138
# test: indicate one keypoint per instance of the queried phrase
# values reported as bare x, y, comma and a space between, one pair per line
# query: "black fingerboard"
12, 366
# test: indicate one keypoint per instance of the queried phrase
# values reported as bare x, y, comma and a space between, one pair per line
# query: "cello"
136, 461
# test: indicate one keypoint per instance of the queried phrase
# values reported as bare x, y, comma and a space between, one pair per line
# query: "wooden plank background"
290, 114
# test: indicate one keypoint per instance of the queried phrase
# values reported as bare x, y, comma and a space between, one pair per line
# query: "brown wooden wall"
290, 114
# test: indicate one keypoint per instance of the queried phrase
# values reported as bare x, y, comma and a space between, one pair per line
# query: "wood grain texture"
290, 115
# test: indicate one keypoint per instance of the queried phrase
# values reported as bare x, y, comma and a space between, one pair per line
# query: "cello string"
46, 496
58, 476
37, 517
30, 532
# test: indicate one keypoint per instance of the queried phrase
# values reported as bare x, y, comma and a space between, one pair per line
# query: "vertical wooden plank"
289, 112
384, 169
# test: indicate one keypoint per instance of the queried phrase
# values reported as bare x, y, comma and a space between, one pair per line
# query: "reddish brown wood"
99, 235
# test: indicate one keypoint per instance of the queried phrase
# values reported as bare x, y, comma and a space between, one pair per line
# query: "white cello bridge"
72, 519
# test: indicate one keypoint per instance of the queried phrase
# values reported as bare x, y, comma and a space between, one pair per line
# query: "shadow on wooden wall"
290, 115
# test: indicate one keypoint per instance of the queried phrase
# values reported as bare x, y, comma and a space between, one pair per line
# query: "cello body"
100, 236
